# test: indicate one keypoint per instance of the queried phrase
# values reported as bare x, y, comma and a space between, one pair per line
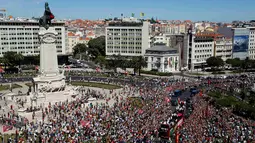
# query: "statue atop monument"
45, 20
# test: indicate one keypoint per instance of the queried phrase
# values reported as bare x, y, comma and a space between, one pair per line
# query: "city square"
125, 79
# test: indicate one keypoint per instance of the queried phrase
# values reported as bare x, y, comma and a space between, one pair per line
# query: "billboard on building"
240, 46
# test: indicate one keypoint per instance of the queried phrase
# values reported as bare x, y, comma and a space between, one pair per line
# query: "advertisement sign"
240, 46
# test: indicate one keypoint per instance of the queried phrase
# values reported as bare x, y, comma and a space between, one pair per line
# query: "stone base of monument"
50, 83
36, 99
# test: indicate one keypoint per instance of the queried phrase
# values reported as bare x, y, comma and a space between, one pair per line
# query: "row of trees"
95, 51
216, 62
12, 59
92, 51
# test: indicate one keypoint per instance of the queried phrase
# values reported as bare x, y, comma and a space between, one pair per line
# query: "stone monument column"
48, 52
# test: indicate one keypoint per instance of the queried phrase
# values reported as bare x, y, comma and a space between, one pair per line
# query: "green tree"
12, 58
234, 62
18, 58
114, 61
101, 61
214, 62
243, 95
247, 63
138, 63
80, 50
96, 47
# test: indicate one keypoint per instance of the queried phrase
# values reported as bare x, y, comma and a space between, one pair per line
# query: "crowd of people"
208, 124
134, 114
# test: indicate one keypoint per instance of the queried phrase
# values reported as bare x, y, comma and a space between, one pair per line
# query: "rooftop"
161, 48
126, 24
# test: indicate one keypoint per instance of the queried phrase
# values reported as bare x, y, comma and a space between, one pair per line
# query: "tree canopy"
215, 62
79, 50
96, 47
12, 58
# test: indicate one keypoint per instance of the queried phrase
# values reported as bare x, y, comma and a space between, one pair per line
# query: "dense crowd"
136, 118
208, 124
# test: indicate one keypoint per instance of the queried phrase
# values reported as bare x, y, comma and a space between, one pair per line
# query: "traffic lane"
186, 94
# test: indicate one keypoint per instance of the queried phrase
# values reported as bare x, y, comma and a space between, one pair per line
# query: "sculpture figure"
45, 20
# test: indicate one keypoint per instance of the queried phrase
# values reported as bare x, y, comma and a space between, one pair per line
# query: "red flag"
5, 128
167, 99
201, 93
177, 135
85, 123
52, 16
1, 69
140, 111
209, 81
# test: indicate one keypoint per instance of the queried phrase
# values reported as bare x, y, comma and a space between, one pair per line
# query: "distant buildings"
127, 38
76, 38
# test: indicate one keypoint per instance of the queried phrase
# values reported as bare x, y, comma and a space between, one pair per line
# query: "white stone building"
127, 39
22, 37
162, 58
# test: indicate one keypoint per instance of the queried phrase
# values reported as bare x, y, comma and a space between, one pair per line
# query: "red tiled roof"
71, 34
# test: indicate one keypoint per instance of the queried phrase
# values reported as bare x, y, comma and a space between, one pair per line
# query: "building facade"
202, 49
162, 58
127, 39
223, 48
251, 46
22, 37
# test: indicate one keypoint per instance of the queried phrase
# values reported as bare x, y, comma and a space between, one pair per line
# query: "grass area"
194, 73
136, 102
86, 74
95, 84
241, 108
28, 84
224, 100
219, 72
19, 75
7, 87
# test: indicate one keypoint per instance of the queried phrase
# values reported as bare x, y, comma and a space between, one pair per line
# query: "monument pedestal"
50, 79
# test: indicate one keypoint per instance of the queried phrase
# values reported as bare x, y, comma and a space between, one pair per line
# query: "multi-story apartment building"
202, 49
223, 47
251, 45
127, 38
22, 37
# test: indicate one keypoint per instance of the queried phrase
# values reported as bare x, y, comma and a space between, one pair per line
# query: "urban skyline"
196, 10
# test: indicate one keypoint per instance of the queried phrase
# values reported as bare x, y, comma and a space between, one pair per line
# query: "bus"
164, 131
177, 93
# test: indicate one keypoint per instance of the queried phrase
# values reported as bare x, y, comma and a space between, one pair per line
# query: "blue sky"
212, 10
